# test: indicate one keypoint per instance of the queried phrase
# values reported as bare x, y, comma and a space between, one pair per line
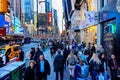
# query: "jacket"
29, 74
58, 63
46, 67
77, 72
94, 66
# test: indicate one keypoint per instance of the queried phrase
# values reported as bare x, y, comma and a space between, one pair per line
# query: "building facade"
110, 28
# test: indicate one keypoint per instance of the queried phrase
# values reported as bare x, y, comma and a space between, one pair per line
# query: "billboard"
41, 6
2, 31
50, 17
42, 19
2, 19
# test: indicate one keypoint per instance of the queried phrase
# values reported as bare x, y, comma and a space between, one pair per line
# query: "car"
11, 51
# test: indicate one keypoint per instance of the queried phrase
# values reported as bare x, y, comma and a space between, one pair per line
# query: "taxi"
11, 51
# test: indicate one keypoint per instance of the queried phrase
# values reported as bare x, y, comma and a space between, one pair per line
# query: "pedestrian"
37, 54
92, 50
42, 68
72, 60
100, 50
2, 59
21, 55
32, 53
82, 56
81, 71
94, 65
59, 65
113, 67
30, 71
103, 67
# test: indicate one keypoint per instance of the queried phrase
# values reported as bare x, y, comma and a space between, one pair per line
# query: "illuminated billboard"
41, 6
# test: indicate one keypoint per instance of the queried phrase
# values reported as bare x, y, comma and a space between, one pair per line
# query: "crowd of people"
81, 60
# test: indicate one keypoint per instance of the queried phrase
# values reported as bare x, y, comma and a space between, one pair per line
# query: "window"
16, 48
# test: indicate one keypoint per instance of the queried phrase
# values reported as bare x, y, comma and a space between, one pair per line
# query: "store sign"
118, 5
90, 18
2, 31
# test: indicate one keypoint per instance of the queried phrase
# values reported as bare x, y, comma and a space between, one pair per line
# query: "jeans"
61, 74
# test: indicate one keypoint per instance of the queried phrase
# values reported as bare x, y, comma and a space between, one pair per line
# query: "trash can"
21, 66
14, 71
5, 75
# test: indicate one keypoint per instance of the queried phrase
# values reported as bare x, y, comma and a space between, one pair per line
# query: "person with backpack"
81, 71
72, 60
94, 66
59, 65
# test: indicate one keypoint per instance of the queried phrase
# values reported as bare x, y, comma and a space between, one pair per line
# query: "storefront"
88, 32
110, 24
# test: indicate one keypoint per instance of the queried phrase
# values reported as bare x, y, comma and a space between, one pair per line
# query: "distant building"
55, 23
28, 10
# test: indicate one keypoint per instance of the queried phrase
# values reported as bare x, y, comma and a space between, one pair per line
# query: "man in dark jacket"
21, 56
42, 68
37, 54
59, 65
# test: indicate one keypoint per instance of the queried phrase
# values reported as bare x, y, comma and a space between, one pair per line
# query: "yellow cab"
11, 51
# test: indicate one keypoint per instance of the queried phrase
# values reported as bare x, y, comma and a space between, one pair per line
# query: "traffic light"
4, 5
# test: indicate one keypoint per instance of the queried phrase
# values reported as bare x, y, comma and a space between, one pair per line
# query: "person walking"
42, 68
30, 71
81, 71
21, 55
37, 54
94, 65
32, 53
72, 60
113, 67
100, 50
59, 65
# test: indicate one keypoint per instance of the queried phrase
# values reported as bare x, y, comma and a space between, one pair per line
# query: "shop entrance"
109, 37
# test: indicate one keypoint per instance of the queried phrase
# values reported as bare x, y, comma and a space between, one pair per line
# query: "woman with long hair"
113, 67
94, 66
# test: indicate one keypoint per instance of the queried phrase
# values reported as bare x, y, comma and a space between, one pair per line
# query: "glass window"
16, 48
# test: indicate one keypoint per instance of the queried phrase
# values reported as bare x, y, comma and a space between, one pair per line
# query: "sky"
57, 4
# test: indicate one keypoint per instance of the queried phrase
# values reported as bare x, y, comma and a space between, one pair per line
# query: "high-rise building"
55, 23
28, 10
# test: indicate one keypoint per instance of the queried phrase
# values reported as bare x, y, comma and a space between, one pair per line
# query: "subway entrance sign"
2, 31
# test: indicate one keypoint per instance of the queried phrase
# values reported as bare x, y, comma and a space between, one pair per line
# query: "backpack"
72, 60
100, 77
84, 70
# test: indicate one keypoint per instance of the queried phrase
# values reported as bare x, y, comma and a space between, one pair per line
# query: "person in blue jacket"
81, 70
